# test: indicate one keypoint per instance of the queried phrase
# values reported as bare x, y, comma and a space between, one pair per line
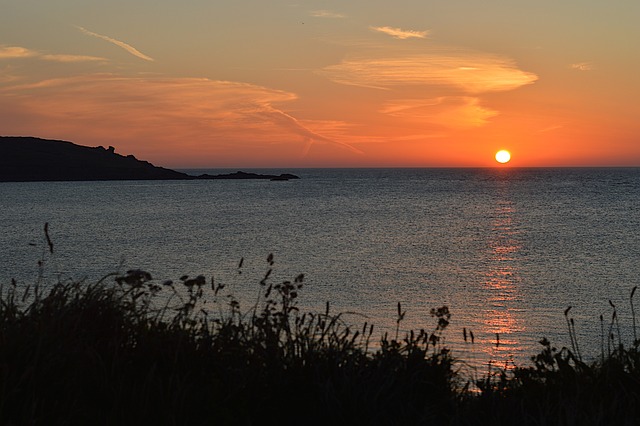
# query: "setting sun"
503, 156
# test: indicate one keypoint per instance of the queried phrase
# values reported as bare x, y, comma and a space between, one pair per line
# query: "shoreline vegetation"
130, 350
28, 159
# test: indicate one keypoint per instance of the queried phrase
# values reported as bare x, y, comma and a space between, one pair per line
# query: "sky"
349, 83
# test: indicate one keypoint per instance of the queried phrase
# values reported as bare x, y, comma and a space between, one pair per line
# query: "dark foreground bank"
131, 351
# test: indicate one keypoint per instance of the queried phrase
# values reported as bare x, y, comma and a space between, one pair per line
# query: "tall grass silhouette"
128, 350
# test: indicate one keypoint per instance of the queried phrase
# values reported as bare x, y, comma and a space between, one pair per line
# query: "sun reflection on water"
500, 319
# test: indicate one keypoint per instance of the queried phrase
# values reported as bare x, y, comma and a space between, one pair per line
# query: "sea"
515, 254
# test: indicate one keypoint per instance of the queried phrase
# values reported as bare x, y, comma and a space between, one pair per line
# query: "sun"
503, 156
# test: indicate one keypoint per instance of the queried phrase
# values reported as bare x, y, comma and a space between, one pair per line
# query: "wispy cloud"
72, 58
326, 14
447, 111
471, 72
164, 111
15, 52
132, 50
400, 33
582, 66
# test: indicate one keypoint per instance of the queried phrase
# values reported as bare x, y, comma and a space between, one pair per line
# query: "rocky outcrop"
28, 159
245, 175
24, 159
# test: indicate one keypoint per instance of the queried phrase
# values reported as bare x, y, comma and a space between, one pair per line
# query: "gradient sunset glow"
327, 84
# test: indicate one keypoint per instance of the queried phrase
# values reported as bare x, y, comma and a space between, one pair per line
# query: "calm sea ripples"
507, 250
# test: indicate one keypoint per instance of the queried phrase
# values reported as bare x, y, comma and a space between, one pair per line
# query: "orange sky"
327, 84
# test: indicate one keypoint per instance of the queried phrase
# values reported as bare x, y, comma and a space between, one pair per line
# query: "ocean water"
507, 250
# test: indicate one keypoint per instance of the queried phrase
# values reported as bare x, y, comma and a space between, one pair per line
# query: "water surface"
507, 250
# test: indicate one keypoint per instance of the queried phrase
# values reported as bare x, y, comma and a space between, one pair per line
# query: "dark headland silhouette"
29, 159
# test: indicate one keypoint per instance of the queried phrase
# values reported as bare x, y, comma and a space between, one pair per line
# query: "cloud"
448, 111
582, 66
470, 72
125, 46
72, 58
400, 33
326, 14
14, 52
158, 112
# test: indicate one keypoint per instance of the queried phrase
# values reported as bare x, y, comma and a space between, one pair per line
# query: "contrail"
125, 46
292, 123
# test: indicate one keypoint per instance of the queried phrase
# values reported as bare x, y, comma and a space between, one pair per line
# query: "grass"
127, 350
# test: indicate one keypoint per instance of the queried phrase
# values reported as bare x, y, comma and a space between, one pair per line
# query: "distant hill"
28, 159
24, 159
